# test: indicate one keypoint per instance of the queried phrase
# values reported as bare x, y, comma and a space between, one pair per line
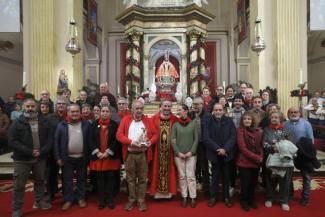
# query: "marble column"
46, 31
38, 39
278, 66
289, 50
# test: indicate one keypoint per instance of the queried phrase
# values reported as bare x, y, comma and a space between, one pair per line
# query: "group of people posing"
213, 140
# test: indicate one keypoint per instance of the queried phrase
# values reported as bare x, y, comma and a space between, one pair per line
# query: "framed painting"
92, 22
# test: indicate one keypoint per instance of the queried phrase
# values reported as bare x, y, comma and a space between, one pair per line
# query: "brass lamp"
73, 45
259, 43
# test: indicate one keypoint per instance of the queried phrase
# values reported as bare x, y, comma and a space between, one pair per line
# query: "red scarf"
103, 133
184, 122
207, 100
276, 127
61, 115
88, 117
69, 119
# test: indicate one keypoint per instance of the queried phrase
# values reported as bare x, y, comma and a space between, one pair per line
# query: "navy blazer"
61, 140
219, 134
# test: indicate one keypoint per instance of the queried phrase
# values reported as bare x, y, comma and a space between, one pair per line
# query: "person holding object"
135, 134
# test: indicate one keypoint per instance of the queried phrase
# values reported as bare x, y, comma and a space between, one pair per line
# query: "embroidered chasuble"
164, 155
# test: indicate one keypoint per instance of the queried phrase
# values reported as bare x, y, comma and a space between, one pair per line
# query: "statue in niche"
166, 79
63, 82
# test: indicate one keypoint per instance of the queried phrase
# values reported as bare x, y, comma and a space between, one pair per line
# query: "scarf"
88, 117
69, 119
61, 115
276, 127
103, 138
185, 121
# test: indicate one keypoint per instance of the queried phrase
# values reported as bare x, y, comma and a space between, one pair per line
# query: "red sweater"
250, 148
123, 131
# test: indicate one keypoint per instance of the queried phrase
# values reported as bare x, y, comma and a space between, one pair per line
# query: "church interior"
124, 43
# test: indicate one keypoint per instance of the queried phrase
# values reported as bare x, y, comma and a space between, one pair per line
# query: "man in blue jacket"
71, 150
31, 141
219, 138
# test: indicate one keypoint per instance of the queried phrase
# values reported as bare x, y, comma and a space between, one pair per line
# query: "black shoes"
184, 202
228, 202
193, 203
212, 202
244, 206
304, 202
253, 205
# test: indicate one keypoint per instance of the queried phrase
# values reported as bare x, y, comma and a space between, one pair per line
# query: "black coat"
219, 134
21, 139
112, 145
306, 155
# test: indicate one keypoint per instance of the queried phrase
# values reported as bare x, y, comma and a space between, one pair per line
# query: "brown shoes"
82, 203
129, 206
142, 206
66, 206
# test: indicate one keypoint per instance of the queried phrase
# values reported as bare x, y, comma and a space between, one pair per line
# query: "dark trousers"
248, 183
284, 185
21, 174
79, 166
105, 186
220, 169
233, 173
52, 176
202, 169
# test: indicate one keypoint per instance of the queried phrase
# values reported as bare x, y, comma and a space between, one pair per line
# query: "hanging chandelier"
73, 45
259, 43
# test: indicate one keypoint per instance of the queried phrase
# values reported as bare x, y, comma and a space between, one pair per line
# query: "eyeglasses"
294, 112
121, 103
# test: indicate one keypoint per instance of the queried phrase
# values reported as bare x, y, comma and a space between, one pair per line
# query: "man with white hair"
136, 135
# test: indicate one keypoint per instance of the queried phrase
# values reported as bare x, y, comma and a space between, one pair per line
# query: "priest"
163, 171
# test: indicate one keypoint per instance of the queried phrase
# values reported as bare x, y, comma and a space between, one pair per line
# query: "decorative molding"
316, 60
11, 61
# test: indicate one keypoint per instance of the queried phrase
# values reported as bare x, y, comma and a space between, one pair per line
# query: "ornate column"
202, 67
133, 70
196, 67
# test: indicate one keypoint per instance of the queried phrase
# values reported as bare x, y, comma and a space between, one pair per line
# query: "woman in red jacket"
105, 155
250, 157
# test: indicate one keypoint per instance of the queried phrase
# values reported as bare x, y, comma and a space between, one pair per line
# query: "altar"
165, 53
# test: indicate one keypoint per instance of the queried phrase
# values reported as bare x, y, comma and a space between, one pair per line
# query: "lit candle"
300, 76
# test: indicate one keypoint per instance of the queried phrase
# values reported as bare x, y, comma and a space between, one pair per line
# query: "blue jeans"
70, 165
306, 184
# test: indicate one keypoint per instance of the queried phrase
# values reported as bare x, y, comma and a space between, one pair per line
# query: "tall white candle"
224, 85
300, 76
118, 90
127, 90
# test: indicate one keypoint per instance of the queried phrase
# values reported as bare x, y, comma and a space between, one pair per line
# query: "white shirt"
135, 133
